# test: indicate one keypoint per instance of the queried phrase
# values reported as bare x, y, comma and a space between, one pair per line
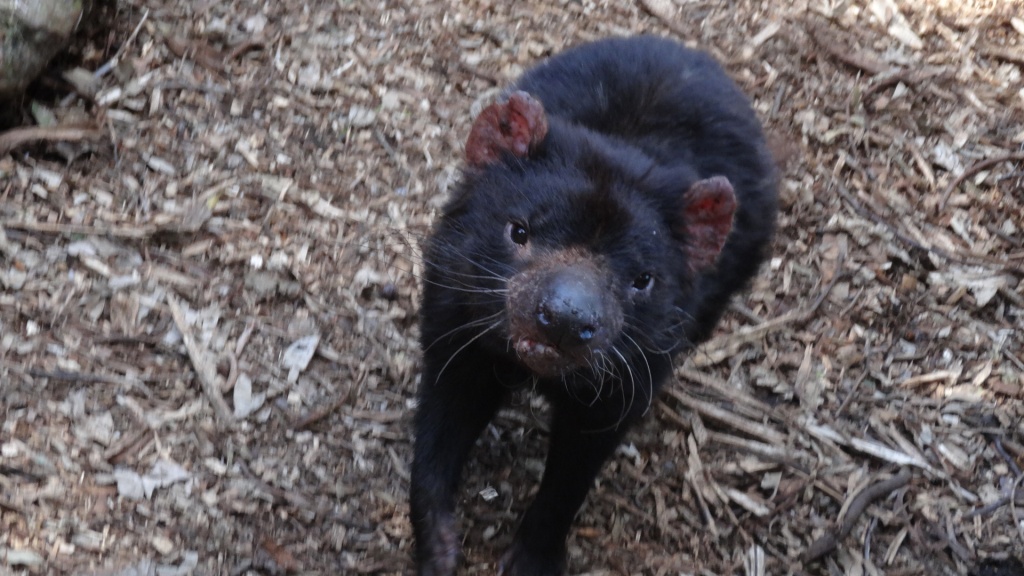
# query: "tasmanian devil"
611, 204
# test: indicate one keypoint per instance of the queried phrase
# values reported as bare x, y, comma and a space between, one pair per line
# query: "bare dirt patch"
208, 305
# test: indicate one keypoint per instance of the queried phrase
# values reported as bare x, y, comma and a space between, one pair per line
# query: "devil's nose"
569, 310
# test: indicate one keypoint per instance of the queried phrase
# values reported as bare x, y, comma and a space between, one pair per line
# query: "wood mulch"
208, 295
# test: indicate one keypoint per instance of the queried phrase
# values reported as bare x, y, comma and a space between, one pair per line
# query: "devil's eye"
517, 233
643, 282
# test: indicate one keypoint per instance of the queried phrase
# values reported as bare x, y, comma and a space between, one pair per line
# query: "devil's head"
573, 252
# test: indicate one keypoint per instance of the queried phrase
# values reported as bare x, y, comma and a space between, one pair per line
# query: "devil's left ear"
708, 209
515, 126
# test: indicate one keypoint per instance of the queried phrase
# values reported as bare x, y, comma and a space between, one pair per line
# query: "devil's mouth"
543, 359
528, 348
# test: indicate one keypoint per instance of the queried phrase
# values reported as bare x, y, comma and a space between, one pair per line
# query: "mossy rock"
31, 33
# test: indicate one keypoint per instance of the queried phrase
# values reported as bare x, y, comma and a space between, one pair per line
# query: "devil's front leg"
580, 444
453, 409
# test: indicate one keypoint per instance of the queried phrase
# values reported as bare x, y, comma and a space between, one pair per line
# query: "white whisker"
650, 376
463, 347
472, 324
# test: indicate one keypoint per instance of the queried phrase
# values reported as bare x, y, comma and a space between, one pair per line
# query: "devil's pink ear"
516, 126
708, 209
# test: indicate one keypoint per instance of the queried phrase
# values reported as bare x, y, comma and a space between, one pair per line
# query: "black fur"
633, 123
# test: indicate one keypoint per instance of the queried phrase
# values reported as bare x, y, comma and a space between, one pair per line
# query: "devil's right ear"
709, 206
515, 126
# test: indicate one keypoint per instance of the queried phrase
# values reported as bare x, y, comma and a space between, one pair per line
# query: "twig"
117, 451
83, 378
807, 314
993, 506
197, 51
114, 60
727, 345
867, 538
974, 169
141, 232
967, 259
229, 382
794, 458
853, 390
137, 233
232, 357
1013, 358
951, 542
309, 420
280, 495
243, 338
1007, 54
245, 46
16, 471
79, 377
403, 166
62, 133
708, 409
187, 86
897, 75
847, 54
827, 543
997, 441
205, 371
949, 376
6, 504
474, 71
663, 17
131, 39
1013, 504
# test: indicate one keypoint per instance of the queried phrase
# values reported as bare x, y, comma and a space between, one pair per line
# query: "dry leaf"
297, 356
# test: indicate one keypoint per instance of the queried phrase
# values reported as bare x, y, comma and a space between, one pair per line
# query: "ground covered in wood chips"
208, 295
